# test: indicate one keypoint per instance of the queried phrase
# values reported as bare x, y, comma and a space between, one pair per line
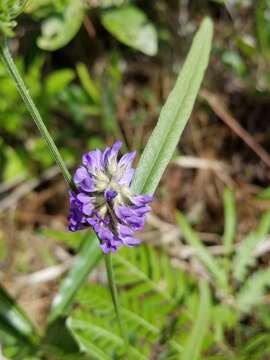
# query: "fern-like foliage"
150, 272
202, 253
151, 307
244, 258
253, 290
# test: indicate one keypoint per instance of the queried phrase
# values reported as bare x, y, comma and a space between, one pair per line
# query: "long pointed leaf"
13, 320
229, 220
175, 113
202, 252
194, 344
244, 257
88, 257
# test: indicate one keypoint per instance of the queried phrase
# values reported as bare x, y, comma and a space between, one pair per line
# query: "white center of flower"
109, 180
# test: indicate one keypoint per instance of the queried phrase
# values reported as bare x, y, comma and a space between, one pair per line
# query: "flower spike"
104, 200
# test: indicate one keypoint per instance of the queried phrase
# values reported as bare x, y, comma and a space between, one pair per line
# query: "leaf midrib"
143, 276
170, 128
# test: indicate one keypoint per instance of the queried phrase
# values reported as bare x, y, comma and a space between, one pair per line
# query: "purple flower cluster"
104, 200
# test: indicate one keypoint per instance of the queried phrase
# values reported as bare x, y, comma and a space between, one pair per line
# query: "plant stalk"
31, 107
7, 59
115, 299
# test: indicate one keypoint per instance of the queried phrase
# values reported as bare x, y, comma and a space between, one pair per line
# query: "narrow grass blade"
229, 220
13, 320
88, 83
201, 252
88, 258
175, 113
194, 344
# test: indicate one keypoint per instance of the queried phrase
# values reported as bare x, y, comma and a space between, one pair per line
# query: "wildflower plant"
105, 201
108, 194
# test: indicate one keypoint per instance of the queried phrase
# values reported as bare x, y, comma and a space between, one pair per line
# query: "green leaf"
58, 31
202, 253
263, 26
145, 272
58, 80
149, 300
130, 25
244, 257
229, 220
108, 3
257, 347
88, 333
174, 114
14, 165
72, 239
88, 83
59, 337
233, 60
13, 320
224, 318
253, 290
87, 259
265, 194
9, 10
3, 248
194, 344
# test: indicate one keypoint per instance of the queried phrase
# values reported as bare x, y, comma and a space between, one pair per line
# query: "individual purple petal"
111, 153
106, 248
124, 170
105, 155
76, 217
124, 230
126, 235
132, 241
115, 148
141, 200
87, 209
88, 203
110, 194
127, 177
129, 217
140, 211
83, 180
127, 160
93, 161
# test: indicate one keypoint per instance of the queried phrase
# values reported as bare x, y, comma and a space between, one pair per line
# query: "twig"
170, 235
27, 187
89, 27
8, 185
46, 275
199, 163
220, 110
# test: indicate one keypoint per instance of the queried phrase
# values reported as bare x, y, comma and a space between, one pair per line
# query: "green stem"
12, 69
115, 299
